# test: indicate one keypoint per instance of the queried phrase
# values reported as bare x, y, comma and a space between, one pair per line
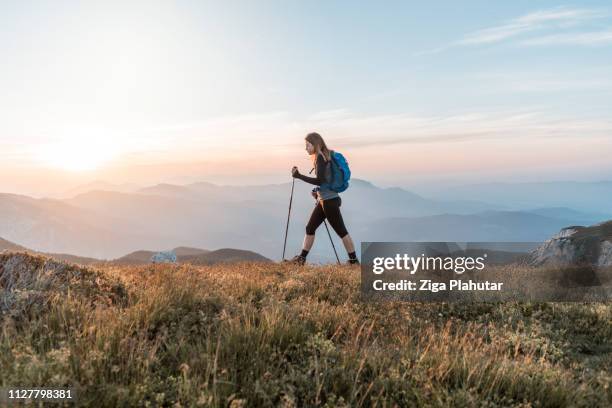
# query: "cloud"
331, 114
560, 18
282, 131
350, 129
275, 134
585, 38
544, 81
505, 126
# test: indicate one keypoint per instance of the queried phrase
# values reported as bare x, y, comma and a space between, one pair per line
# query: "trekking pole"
332, 242
288, 215
330, 239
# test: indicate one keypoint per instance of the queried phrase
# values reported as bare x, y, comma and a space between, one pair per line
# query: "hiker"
328, 200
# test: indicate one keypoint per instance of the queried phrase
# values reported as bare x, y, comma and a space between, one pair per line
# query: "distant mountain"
135, 258
80, 260
100, 185
187, 251
224, 255
361, 193
582, 196
8, 245
166, 189
200, 222
493, 226
571, 214
194, 256
55, 226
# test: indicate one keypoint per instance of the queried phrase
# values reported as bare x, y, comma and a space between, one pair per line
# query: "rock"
577, 245
164, 257
605, 254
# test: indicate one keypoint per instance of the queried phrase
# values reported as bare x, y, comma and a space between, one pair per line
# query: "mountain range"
107, 224
589, 197
195, 256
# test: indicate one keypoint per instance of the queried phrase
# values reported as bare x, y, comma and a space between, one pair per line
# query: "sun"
77, 154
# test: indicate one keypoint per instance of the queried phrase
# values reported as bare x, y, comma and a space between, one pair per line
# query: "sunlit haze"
148, 92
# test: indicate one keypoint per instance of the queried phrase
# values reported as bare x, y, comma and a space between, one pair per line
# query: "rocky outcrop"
577, 245
605, 255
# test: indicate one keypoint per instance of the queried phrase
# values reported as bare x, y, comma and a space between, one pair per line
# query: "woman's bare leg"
308, 241
348, 243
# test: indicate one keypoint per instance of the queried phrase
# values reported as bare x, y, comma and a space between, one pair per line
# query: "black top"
319, 171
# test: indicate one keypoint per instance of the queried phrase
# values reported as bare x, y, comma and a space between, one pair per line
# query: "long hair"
320, 147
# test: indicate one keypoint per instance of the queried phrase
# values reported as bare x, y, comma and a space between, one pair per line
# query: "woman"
328, 201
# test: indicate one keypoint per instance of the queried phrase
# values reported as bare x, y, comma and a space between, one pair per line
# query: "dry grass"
267, 335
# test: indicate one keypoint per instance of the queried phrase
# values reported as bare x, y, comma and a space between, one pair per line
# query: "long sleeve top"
322, 176
319, 172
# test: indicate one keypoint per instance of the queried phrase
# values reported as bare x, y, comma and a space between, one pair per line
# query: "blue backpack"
341, 173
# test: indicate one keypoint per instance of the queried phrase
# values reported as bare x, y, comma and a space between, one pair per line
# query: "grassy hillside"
255, 334
10, 246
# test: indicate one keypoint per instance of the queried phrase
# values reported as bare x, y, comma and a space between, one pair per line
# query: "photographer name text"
429, 286
412, 264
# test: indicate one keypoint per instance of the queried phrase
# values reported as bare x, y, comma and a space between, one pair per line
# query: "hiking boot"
353, 261
298, 259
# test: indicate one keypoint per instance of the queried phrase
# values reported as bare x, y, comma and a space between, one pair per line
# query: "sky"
413, 93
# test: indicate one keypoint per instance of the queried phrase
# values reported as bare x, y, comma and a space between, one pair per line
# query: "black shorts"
329, 209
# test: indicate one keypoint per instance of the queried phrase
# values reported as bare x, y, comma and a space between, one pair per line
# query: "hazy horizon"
422, 187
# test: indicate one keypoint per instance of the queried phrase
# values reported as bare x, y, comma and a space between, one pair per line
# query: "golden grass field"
251, 335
